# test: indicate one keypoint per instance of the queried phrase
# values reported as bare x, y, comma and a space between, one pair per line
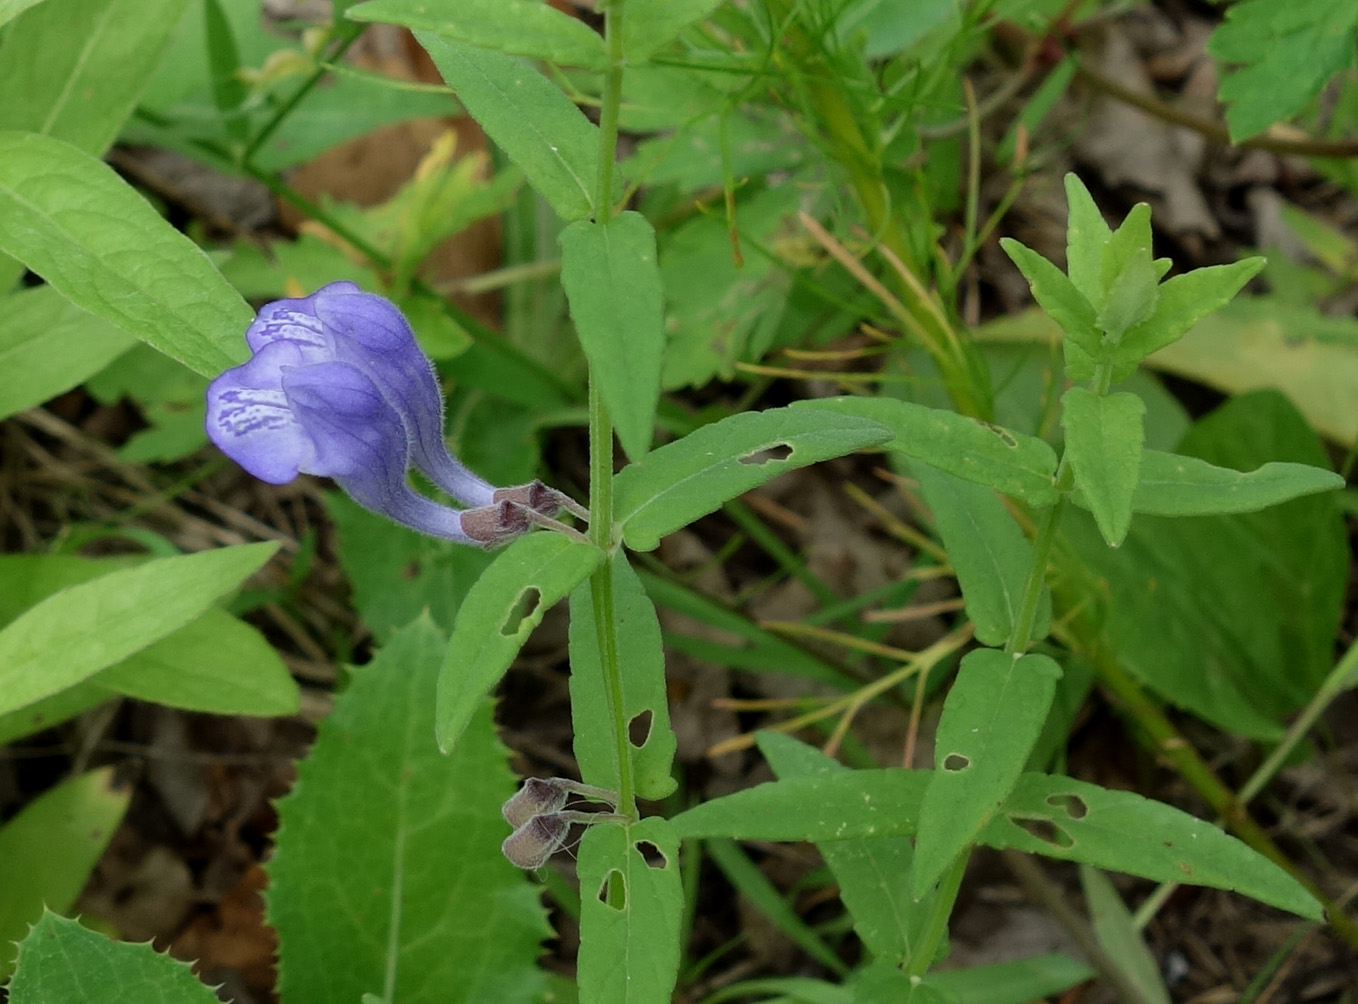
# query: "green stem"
1022, 634
610, 103
939, 912
601, 441
348, 35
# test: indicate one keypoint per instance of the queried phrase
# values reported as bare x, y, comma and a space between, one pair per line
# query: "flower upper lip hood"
338, 387
341, 323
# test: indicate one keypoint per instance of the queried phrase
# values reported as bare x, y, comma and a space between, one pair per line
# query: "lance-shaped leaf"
387, 877
640, 654
528, 117
104, 248
119, 613
1057, 295
1087, 234
816, 807
873, 873
631, 900
612, 281
1056, 816
1182, 302
61, 960
499, 613
987, 550
1104, 438
1123, 831
991, 719
50, 848
693, 476
518, 27
1171, 484
1007, 461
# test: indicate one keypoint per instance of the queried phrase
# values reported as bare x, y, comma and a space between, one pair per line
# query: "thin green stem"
1022, 634
601, 589
601, 440
348, 35
936, 927
610, 104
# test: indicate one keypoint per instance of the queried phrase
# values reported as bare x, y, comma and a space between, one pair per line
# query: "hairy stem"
601, 439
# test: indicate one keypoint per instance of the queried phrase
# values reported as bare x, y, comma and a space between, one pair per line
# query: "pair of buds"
338, 387
541, 820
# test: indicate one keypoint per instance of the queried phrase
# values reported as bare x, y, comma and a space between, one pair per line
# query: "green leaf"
387, 877
74, 69
1175, 485
653, 24
630, 906
528, 117
1279, 57
50, 848
1056, 816
48, 345
991, 719
10, 9
1122, 831
119, 613
499, 613
745, 876
834, 806
61, 961
987, 550
644, 700
611, 279
516, 27
692, 476
1057, 295
1183, 301
1104, 439
1007, 461
215, 664
873, 873
103, 247
1118, 936
1087, 234
1128, 275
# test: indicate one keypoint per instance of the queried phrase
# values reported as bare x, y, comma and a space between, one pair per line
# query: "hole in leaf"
523, 608
1045, 830
1073, 804
768, 455
955, 762
1004, 434
651, 854
639, 729
613, 891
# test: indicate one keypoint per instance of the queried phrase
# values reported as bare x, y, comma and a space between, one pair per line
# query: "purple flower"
338, 387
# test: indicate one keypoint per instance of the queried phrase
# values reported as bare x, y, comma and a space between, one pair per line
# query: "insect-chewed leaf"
694, 475
642, 658
1125, 832
500, 611
991, 719
1007, 461
631, 899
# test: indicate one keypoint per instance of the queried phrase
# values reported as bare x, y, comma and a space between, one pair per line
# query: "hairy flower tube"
338, 387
